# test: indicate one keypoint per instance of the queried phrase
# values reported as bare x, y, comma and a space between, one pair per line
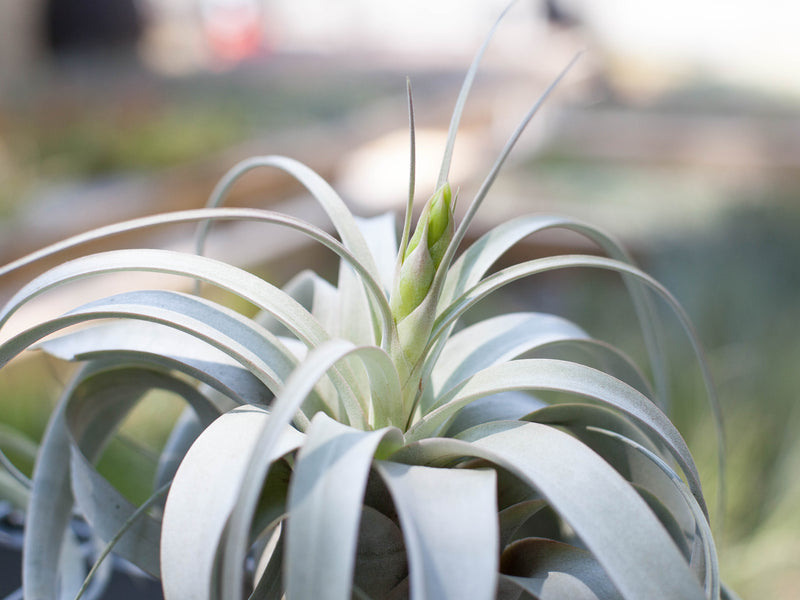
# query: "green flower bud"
420, 261
437, 220
418, 269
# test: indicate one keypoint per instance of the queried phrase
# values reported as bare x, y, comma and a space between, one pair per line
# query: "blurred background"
678, 132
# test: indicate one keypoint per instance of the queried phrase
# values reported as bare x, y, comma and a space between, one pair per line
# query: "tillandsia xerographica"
356, 440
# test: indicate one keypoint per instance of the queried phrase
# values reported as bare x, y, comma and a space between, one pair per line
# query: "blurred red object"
234, 28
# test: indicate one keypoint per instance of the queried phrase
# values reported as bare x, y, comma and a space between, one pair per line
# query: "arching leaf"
326, 495
449, 524
611, 519
203, 495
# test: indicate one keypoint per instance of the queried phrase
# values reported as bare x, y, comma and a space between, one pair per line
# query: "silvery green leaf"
193, 333
593, 425
270, 512
491, 341
185, 431
380, 234
481, 194
70, 569
353, 308
384, 387
573, 378
637, 280
513, 517
449, 523
350, 322
487, 286
359, 263
552, 570
270, 578
708, 556
326, 495
578, 417
204, 493
106, 510
353, 302
452, 311
583, 421
245, 285
86, 417
476, 261
98, 311
178, 314
597, 503
602, 356
473, 264
315, 294
503, 406
165, 347
100, 572
461, 101
687, 542
321, 191
318, 362
92, 416
381, 562
50, 507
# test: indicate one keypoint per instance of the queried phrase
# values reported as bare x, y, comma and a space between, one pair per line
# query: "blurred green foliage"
116, 122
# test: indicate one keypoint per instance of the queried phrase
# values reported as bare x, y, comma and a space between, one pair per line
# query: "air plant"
357, 440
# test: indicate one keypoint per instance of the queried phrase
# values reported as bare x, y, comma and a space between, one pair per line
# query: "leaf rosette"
352, 440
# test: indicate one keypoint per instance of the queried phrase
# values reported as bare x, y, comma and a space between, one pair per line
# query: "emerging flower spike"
440, 224
419, 263
412, 299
